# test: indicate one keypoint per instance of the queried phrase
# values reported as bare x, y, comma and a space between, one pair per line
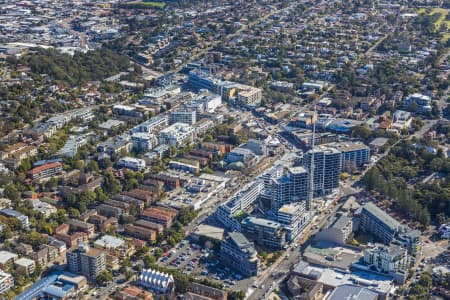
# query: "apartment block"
176, 135
264, 232
25, 266
294, 218
237, 252
135, 164
86, 261
142, 233
185, 116
378, 223
45, 171
338, 232
388, 259
326, 169
6, 282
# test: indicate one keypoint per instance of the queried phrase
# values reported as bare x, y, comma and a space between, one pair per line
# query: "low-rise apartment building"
240, 254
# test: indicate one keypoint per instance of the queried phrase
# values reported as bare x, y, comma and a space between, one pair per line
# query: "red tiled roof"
44, 167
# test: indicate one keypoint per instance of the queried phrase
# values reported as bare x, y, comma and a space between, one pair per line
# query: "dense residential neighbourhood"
224, 149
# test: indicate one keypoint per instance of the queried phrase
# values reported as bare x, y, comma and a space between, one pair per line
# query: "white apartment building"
249, 96
176, 135
143, 141
239, 202
183, 116
135, 164
391, 259
153, 125
294, 218
6, 282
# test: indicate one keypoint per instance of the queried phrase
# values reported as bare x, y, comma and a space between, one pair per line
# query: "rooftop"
109, 241
238, 238
341, 222
352, 292
5, 256
381, 215
210, 231
24, 262
262, 222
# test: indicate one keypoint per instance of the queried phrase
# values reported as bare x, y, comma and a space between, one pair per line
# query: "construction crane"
311, 168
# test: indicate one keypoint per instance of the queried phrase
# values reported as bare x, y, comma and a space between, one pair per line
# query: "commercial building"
304, 289
348, 291
378, 223
332, 278
89, 262
156, 281
338, 232
264, 232
185, 116
208, 232
56, 286
132, 163
6, 282
237, 252
326, 169
44, 171
176, 135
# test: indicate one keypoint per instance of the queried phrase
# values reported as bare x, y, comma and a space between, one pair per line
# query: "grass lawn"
437, 10
144, 4
445, 37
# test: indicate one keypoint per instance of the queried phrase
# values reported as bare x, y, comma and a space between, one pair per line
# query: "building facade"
326, 169
237, 252
378, 223
264, 232
86, 261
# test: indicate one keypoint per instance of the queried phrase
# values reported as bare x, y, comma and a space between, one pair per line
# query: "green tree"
236, 295
11, 192
104, 277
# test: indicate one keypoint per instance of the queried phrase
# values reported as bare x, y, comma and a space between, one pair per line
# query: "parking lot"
195, 260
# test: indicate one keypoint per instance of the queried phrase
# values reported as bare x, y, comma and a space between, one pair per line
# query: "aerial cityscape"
221, 149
